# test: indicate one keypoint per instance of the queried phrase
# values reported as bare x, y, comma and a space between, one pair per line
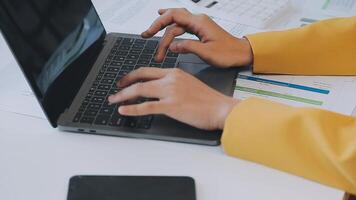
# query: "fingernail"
121, 110
173, 47
145, 33
110, 99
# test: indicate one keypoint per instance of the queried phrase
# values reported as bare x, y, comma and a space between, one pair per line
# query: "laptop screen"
56, 43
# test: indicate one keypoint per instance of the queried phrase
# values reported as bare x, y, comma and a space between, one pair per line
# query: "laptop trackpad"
219, 79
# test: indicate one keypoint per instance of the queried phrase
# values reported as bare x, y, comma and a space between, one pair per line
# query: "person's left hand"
180, 96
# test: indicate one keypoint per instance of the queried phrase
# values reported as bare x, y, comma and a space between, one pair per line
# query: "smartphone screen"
131, 188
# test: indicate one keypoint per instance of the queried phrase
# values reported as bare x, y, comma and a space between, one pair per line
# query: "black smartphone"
131, 188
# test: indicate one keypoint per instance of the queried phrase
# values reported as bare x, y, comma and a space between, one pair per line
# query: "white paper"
127, 16
340, 7
255, 13
16, 95
325, 92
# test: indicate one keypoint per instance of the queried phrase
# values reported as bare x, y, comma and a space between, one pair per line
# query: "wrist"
225, 109
247, 51
242, 52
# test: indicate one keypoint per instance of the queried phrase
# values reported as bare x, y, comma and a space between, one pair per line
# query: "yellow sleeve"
315, 144
324, 48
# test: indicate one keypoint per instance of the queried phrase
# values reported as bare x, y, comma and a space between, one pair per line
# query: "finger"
144, 73
147, 108
149, 89
180, 16
162, 11
171, 32
190, 46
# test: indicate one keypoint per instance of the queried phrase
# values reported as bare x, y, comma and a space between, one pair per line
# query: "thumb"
190, 46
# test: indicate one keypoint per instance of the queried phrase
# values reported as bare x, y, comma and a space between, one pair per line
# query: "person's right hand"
216, 46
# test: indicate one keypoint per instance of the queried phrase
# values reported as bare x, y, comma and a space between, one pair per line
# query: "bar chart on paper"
331, 93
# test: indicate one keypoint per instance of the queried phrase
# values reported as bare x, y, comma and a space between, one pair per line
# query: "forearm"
312, 143
324, 48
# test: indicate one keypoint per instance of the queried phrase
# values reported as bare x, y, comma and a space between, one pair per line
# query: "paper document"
331, 93
340, 7
126, 16
256, 13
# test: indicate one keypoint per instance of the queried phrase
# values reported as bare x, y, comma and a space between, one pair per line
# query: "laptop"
72, 65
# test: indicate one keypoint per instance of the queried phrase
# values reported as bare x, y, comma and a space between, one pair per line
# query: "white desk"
36, 162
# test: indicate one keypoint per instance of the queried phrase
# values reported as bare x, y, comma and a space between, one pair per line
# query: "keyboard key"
168, 65
94, 106
170, 60
128, 40
130, 122
92, 89
102, 71
113, 91
118, 40
133, 56
153, 60
152, 44
107, 81
116, 120
145, 122
101, 93
123, 73
122, 53
115, 63
110, 75
171, 54
77, 117
106, 111
85, 102
97, 100
113, 69
107, 105
104, 87
155, 65
139, 66
127, 68
110, 57
91, 113
102, 120
119, 58
81, 108
135, 51
140, 41
143, 62
148, 51
130, 62
125, 48
146, 57
87, 120
138, 46
99, 77
89, 96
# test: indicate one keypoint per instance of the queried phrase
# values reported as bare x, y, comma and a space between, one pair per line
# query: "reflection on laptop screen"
56, 43
48, 35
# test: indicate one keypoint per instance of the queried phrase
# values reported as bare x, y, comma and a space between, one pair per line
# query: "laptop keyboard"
128, 54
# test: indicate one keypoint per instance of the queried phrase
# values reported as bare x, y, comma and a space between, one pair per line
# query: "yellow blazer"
312, 143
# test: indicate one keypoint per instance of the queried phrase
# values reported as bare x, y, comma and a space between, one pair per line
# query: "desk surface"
37, 162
